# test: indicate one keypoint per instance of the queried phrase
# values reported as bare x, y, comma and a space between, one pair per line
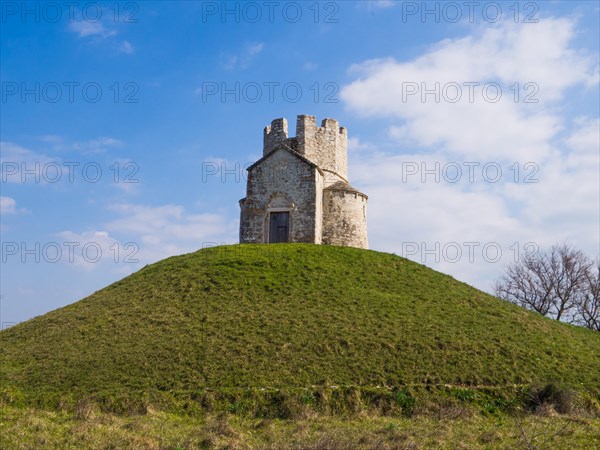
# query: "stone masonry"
299, 191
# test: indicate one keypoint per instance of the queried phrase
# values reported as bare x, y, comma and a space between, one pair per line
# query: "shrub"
463, 394
562, 400
406, 401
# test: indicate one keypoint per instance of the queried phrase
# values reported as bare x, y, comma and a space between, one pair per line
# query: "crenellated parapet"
275, 134
325, 145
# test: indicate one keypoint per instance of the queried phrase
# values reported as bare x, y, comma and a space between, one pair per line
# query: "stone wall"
344, 217
310, 182
274, 134
326, 146
282, 182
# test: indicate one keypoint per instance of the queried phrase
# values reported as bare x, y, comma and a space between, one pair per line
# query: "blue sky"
115, 130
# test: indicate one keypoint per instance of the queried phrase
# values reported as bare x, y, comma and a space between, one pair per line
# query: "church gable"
283, 148
281, 196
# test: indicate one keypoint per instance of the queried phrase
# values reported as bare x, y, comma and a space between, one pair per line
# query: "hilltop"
251, 326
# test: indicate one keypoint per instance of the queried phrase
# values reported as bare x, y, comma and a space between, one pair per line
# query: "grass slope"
288, 317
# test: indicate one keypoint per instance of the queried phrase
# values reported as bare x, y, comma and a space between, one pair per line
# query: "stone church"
299, 190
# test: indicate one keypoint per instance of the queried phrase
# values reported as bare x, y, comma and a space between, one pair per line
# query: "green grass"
265, 330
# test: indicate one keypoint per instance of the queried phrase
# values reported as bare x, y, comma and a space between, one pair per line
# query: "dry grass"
28, 429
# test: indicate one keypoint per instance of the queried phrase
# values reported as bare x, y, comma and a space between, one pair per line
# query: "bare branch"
589, 304
560, 283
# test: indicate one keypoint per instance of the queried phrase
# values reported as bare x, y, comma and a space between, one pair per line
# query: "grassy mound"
258, 324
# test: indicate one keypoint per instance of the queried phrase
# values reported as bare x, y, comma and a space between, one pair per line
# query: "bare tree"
527, 284
570, 271
588, 307
551, 282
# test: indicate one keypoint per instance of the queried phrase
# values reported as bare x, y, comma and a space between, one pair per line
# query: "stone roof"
343, 186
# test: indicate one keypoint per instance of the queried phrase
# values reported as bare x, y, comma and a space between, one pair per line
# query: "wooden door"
279, 227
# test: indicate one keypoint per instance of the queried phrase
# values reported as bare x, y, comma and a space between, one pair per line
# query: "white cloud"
127, 48
86, 28
21, 165
375, 5
254, 48
506, 54
97, 31
143, 234
8, 205
355, 145
381, 4
99, 145
405, 209
566, 201
586, 137
93, 249
244, 58
168, 230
